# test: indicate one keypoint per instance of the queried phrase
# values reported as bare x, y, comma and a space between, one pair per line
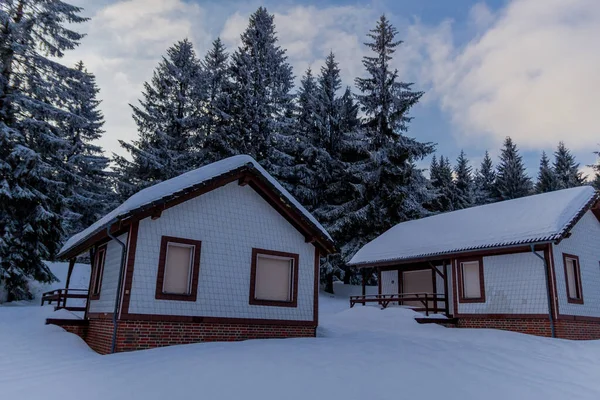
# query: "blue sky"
529, 69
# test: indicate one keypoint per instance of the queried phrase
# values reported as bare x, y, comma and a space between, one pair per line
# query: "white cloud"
533, 74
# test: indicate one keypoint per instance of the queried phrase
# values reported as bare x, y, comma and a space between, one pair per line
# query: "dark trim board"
461, 289
162, 260
294, 284
578, 283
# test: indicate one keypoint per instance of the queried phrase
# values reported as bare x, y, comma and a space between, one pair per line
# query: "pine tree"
463, 183
32, 147
443, 185
485, 181
393, 188
566, 169
87, 182
261, 99
546, 181
169, 123
596, 167
511, 179
216, 120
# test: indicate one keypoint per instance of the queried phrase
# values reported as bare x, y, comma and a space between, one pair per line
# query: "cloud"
532, 74
124, 43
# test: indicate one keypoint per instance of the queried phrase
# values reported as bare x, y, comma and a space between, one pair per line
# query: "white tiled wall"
584, 243
110, 278
514, 284
229, 221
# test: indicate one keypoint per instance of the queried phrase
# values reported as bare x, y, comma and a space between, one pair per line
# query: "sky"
529, 69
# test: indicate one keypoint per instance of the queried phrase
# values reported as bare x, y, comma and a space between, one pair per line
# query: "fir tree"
511, 179
261, 99
443, 185
596, 167
566, 169
87, 189
546, 181
216, 120
32, 146
168, 121
393, 189
463, 184
485, 181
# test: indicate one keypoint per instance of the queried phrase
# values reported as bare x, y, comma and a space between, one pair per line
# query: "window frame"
195, 269
98, 272
293, 285
578, 282
461, 287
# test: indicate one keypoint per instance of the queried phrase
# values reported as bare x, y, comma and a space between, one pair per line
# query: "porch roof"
540, 218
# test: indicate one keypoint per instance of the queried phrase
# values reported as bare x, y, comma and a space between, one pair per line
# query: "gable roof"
223, 171
539, 218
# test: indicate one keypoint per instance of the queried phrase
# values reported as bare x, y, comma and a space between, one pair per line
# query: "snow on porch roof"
157, 192
531, 219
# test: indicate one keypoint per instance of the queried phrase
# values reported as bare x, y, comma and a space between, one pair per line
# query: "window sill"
175, 297
574, 301
273, 303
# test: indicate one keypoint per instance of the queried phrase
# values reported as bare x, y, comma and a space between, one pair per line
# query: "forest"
345, 153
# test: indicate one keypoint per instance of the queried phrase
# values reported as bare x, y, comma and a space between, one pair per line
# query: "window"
274, 278
470, 281
98, 271
178, 269
573, 278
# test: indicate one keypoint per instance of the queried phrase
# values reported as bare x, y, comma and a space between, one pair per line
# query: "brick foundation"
138, 335
564, 329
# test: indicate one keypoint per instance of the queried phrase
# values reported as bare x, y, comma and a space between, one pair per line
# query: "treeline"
344, 154
460, 187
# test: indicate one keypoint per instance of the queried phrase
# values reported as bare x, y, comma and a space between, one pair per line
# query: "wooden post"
364, 284
87, 301
71, 265
446, 297
434, 287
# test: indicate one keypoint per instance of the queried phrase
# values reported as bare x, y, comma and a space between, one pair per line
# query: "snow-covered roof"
175, 186
533, 219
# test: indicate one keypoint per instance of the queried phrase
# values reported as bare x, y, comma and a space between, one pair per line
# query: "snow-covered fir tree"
393, 188
463, 183
595, 181
566, 169
511, 179
546, 179
261, 101
485, 181
440, 178
216, 120
87, 182
169, 123
33, 86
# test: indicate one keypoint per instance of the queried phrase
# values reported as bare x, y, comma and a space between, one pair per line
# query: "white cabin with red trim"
223, 252
530, 265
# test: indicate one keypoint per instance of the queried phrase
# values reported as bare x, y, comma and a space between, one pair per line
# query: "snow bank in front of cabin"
360, 353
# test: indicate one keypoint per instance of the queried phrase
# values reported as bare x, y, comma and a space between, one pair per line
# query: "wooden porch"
59, 298
430, 301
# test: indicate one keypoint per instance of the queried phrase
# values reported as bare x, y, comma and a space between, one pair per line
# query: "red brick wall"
538, 326
564, 329
137, 335
577, 330
78, 330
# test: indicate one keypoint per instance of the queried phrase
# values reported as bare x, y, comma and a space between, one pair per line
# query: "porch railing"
385, 299
59, 298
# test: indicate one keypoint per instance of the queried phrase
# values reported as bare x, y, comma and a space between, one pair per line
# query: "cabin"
220, 253
529, 265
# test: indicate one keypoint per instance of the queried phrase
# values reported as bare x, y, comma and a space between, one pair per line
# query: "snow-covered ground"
361, 353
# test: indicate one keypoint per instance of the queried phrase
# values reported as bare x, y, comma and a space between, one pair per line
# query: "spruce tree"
33, 87
596, 167
443, 185
463, 184
87, 183
393, 188
511, 179
169, 123
566, 169
546, 180
485, 181
215, 118
261, 101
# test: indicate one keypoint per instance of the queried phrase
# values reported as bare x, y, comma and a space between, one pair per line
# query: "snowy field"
361, 353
